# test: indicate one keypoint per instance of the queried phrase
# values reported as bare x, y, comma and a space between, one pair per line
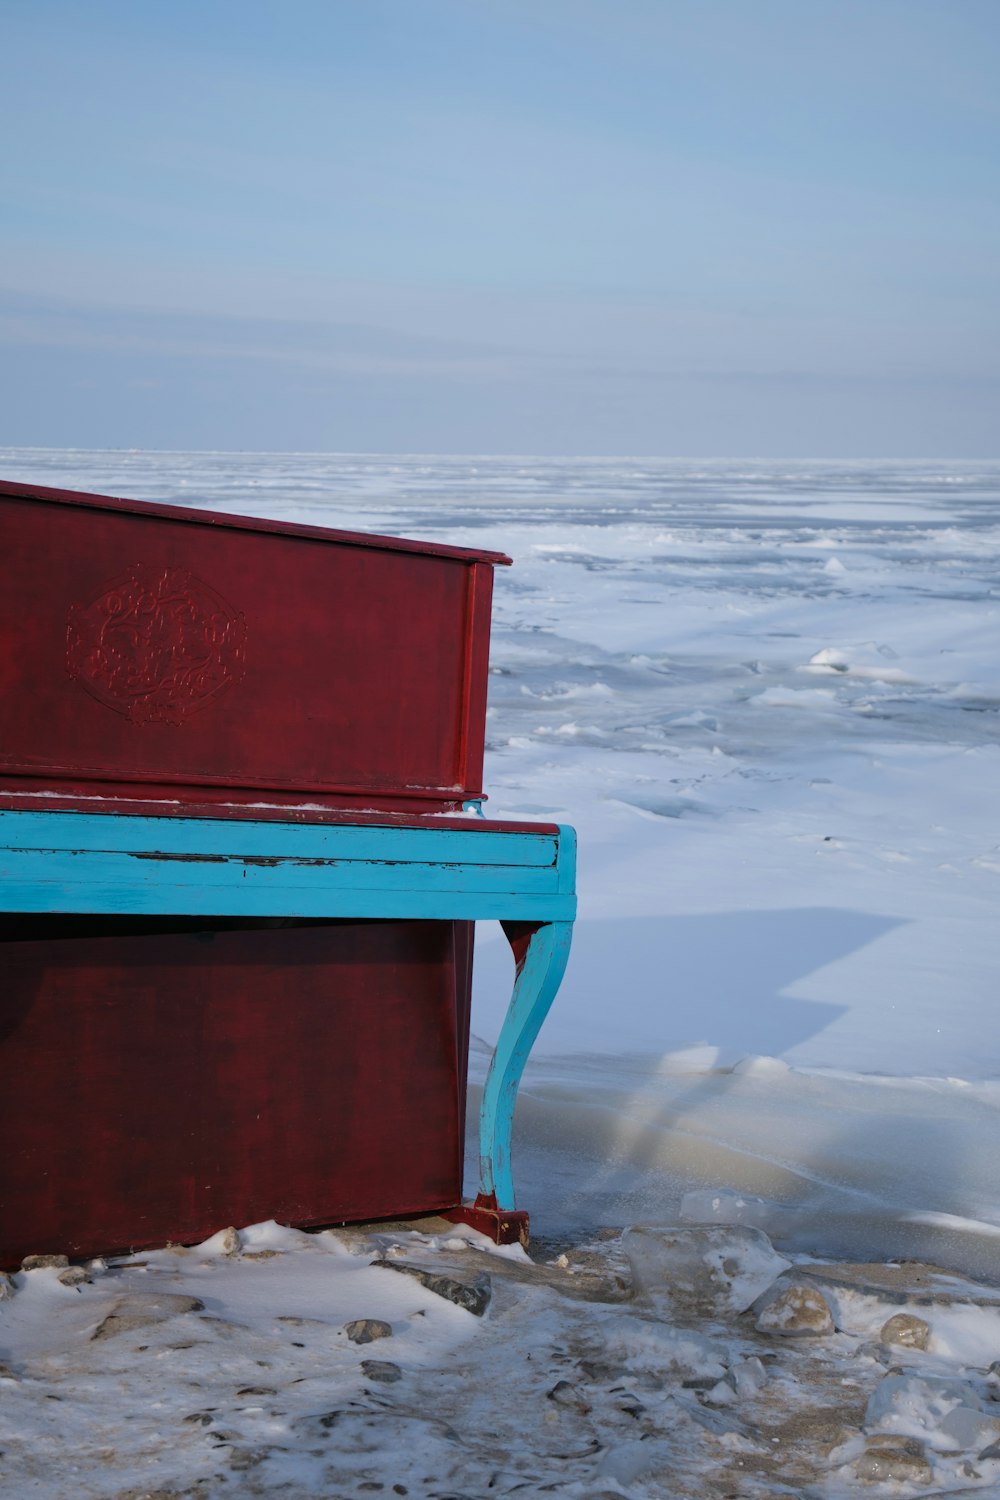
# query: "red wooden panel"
14, 795
152, 648
87, 500
159, 1084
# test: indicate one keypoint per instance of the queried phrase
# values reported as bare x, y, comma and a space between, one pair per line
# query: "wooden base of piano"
508, 1226
275, 1104
161, 1080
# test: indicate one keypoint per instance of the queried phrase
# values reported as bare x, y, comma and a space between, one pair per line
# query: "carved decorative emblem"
156, 645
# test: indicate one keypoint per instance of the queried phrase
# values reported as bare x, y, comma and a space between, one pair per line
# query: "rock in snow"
44, 1262
141, 1311
475, 1298
887, 1459
795, 1310
382, 1370
73, 1276
367, 1330
907, 1330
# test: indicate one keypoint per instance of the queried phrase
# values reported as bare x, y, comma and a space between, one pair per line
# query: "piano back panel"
144, 648
163, 1079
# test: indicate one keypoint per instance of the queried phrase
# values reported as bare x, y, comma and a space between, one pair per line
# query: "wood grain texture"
147, 646
160, 1084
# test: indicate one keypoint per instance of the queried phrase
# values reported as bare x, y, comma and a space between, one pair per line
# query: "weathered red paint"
119, 801
155, 652
504, 1226
162, 1079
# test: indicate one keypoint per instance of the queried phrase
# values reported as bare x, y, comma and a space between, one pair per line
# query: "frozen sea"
767, 695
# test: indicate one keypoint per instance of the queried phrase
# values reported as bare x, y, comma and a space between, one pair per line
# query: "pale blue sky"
680, 227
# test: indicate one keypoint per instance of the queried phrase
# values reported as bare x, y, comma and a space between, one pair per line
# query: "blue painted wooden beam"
91, 863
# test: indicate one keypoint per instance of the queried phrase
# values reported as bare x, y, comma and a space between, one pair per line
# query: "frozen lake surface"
768, 697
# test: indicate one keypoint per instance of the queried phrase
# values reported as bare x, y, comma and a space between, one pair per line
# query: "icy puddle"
654, 1362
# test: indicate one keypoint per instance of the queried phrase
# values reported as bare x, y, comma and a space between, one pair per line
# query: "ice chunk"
714, 1270
944, 1413
761, 1067
627, 1462
745, 1379
720, 1206
647, 1345
970, 1429
749, 1376
831, 658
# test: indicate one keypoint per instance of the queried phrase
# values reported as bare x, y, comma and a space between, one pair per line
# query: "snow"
767, 695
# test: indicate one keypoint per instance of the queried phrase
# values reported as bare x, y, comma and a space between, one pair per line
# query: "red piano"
241, 852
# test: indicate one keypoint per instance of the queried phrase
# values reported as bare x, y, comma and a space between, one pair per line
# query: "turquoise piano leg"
540, 953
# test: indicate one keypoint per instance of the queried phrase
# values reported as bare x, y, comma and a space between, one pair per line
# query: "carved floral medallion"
157, 645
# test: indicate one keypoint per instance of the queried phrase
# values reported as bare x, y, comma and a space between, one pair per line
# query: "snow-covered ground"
768, 697
655, 1365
